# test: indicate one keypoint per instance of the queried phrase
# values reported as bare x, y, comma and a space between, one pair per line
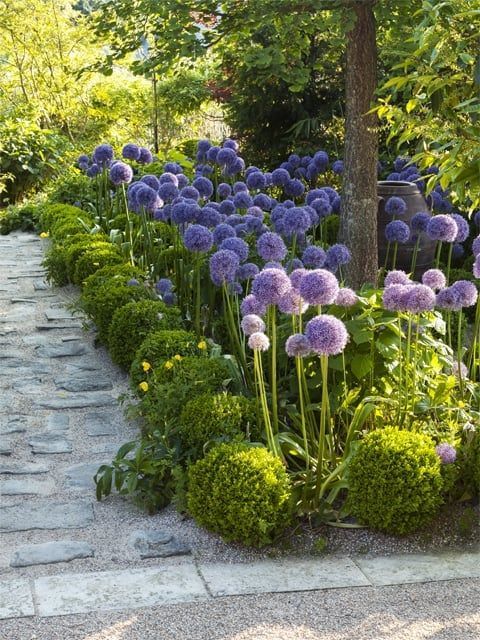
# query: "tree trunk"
358, 227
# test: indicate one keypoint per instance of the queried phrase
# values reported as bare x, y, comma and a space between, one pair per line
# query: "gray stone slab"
409, 568
27, 386
13, 424
63, 350
58, 314
6, 447
58, 422
22, 301
26, 486
50, 442
40, 285
11, 354
23, 468
269, 576
81, 365
51, 553
80, 476
15, 599
76, 401
100, 424
157, 544
46, 515
118, 590
60, 326
83, 382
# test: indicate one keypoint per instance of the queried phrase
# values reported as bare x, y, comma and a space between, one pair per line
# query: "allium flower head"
252, 323
320, 160
460, 372
198, 239
252, 305
212, 154
133, 282
448, 299
256, 181
296, 220
151, 180
294, 188
314, 256
322, 207
463, 228
280, 177
121, 173
396, 277
298, 346
222, 232
224, 190
223, 266
230, 144
204, 186
338, 167
247, 271
238, 246
446, 453
163, 286
270, 285
316, 194
292, 303
318, 287
259, 342
346, 297
395, 206
327, 335
226, 157
262, 201
167, 191
103, 155
338, 255
131, 151
419, 221
400, 163
394, 297
476, 246
296, 277
476, 267
397, 231
467, 292
419, 299
145, 156
270, 246
435, 279
442, 228
190, 192
476, 218
147, 198
242, 200
203, 146
209, 216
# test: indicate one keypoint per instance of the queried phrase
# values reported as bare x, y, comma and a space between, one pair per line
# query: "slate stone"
23, 468
81, 364
82, 383
76, 401
58, 314
40, 285
80, 476
14, 424
50, 553
158, 544
46, 515
11, 354
5, 447
66, 349
16, 599
99, 424
26, 486
22, 300
27, 385
58, 422
50, 443
70, 338
50, 327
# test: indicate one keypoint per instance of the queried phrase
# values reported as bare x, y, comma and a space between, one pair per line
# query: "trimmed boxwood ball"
241, 492
66, 229
161, 345
211, 416
395, 481
133, 322
76, 250
51, 213
94, 260
118, 272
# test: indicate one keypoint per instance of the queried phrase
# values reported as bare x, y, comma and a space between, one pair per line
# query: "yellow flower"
202, 345
146, 366
177, 357
168, 364
461, 405
143, 386
44, 234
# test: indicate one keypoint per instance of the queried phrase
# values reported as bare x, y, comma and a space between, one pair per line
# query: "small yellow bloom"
461, 405
168, 364
146, 366
143, 386
202, 345
177, 357
44, 234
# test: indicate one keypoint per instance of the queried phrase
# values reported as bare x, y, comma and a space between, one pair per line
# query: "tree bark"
358, 228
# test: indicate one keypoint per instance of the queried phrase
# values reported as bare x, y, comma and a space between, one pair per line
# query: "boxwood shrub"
94, 260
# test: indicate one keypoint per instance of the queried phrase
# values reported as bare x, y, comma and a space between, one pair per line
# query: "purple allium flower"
476, 218
461, 372
252, 305
150, 180
163, 214
322, 207
170, 178
396, 277
397, 231
298, 346
172, 167
203, 146
296, 220
212, 154
253, 224
319, 287
314, 256
169, 299
446, 453
131, 151
224, 190
296, 277
270, 246
237, 166
320, 160
239, 186
93, 170
393, 177
163, 286
147, 198
476, 267
292, 303
121, 173
222, 232
394, 297
294, 263
467, 292
223, 266
204, 187
435, 279
395, 206
419, 299
294, 188
272, 264
209, 217
242, 200
238, 246
252, 323
190, 192
280, 177
227, 207
103, 155
442, 228
145, 156
167, 191
338, 167
337, 255
83, 159
400, 163
311, 172
419, 221
270, 285
458, 251
316, 194
476, 246
259, 342
133, 282
346, 297
247, 271
230, 144
448, 299
256, 180
262, 201
463, 228
327, 335
182, 180
294, 160
226, 157
198, 238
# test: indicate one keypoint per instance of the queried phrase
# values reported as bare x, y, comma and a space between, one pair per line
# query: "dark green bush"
73, 187
75, 251
241, 492
51, 213
92, 261
24, 218
160, 346
133, 322
395, 481
212, 416
121, 272
67, 229
56, 266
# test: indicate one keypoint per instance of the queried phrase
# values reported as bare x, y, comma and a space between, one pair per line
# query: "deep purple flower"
296, 220
103, 155
145, 156
93, 170
209, 217
223, 266
182, 180
298, 346
395, 206
251, 304
226, 157
222, 232
446, 453
322, 207
147, 198
292, 303
163, 286
212, 154
131, 151
393, 177
435, 279
314, 256
190, 192
198, 238
400, 163
270, 246
466, 291
280, 177
338, 255
237, 166
242, 200
463, 228
262, 201
476, 218
133, 282
230, 144
252, 323
319, 287
238, 246
83, 159
247, 271
346, 297
419, 221
458, 251
476, 246
396, 277
397, 231
173, 167
224, 190
327, 335
338, 167
419, 298
227, 207
256, 180
294, 188
320, 160
204, 187
270, 285
312, 214
259, 342
442, 228
167, 191
121, 173
448, 299
294, 159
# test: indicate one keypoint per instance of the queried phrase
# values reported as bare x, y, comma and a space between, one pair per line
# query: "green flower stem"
387, 255
459, 352
198, 294
236, 342
395, 251
260, 385
272, 315
414, 372
323, 425
449, 261
129, 226
408, 365
299, 367
474, 355
413, 266
438, 254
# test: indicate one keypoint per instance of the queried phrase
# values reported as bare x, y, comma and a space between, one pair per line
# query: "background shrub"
76, 249
94, 260
49, 213
211, 416
133, 322
240, 492
24, 218
395, 481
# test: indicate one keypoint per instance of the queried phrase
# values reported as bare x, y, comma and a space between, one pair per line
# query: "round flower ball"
318, 287
270, 246
198, 238
466, 291
258, 341
435, 279
396, 276
419, 299
346, 297
395, 206
463, 227
446, 453
270, 285
394, 297
252, 323
252, 305
442, 228
476, 267
223, 267
298, 346
145, 156
314, 256
397, 231
327, 335
103, 155
131, 151
121, 173
419, 221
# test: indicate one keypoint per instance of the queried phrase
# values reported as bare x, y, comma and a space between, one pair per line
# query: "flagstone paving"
63, 553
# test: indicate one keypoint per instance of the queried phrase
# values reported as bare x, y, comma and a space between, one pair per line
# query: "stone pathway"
61, 552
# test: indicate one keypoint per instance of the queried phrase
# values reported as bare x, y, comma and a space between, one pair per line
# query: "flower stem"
323, 425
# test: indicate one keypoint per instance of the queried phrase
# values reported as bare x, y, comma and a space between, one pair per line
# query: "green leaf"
361, 365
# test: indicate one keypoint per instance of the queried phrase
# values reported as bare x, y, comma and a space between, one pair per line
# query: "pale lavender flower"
223, 267
292, 303
435, 279
394, 297
259, 342
270, 285
298, 346
396, 277
327, 335
442, 228
476, 267
446, 453
252, 323
419, 299
448, 299
463, 228
252, 305
461, 372
270, 246
346, 297
319, 287
476, 246
296, 277
467, 292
